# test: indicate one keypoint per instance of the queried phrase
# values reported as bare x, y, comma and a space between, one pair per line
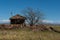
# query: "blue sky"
51, 8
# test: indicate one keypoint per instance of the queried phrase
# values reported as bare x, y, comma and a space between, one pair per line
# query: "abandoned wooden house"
17, 19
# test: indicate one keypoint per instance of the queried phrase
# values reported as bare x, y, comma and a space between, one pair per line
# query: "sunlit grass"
22, 34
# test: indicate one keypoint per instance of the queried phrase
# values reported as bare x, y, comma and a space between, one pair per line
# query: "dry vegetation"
26, 34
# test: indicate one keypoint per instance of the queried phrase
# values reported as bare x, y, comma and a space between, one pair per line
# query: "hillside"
25, 34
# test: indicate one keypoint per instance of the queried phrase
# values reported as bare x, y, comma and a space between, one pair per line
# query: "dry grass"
22, 34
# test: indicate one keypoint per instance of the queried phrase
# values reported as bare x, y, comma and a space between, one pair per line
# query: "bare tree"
32, 16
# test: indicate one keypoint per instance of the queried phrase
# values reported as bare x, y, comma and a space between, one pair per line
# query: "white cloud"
51, 21
44, 21
4, 21
48, 21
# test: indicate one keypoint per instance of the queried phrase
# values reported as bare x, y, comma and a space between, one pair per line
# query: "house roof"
17, 16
